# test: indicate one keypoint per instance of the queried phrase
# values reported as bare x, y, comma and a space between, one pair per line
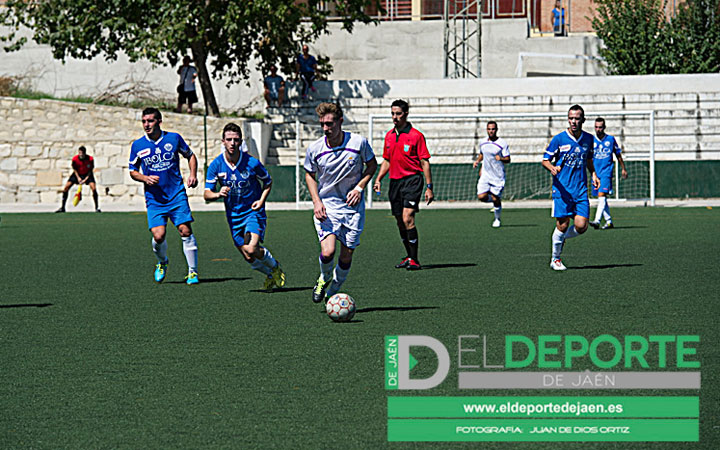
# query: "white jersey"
493, 170
338, 170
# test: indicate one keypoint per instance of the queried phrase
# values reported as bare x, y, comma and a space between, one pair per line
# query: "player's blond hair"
329, 108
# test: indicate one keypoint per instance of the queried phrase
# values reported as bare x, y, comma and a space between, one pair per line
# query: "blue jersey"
246, 181
160, 158
605, 148
572, 155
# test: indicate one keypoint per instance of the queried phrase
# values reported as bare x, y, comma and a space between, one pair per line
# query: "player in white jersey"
494, 154
338, 166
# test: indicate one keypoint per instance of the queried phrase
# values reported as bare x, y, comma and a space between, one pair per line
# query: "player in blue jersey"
155, 162
567, 157
244, 187
605, 147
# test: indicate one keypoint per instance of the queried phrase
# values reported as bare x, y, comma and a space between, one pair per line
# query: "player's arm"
318, 207
210, 195
429, 196
147, 179
257, 204
192, 180
355, 195
622, 165
594, 176
384, 168
478, 160
553, 169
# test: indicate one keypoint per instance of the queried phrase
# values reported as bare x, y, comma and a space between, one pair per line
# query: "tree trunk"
200, 57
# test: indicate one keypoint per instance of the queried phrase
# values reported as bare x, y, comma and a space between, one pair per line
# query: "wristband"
429, 186
358, 188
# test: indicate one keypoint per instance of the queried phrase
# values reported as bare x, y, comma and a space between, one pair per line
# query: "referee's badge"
406, 148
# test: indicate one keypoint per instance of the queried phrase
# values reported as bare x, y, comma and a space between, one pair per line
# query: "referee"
82, 165
407, 159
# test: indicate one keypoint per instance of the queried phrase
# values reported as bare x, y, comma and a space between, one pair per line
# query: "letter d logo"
404, 344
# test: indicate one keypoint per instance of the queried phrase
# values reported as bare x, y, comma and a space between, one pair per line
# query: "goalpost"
453, 140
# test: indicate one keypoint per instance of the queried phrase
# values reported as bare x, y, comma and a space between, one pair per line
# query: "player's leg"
327, 255
497, 209
93, 188
342, 269
266, 94
411, 193
483, 190
190, 250
159, 246
562, 211
65, 191
396, 208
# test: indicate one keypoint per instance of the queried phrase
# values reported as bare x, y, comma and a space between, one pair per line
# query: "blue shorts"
251, 223
606, 184
567, 207
178, 211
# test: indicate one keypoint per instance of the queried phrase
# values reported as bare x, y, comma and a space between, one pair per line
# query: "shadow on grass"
213, 280
604, 266
520, 225
283, 289
395, 308
446, 266
628, 227
27, 305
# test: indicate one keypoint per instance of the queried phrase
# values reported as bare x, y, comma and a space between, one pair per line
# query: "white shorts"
495, 187
347, 227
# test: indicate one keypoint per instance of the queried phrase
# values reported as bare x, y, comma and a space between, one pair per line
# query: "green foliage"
696, 36
229, 36
640, 39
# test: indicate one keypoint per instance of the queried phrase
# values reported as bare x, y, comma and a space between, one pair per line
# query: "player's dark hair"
329, 108
154, 111
492, 122
233, 128
601, 120
402, 104
82, 148
577, 108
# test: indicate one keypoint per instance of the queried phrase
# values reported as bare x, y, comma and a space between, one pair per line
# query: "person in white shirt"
494, 154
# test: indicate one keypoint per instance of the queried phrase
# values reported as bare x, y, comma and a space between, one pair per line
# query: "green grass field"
96, 355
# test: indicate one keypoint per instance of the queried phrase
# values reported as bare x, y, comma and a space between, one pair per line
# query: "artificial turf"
96, 355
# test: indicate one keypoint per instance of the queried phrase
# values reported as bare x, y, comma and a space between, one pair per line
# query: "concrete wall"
39, 138
388, 51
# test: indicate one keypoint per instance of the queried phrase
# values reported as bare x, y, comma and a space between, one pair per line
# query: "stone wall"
38, 138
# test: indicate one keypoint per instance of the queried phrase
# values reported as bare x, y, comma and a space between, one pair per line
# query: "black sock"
412, 237
95, 199
404, 237
64, 200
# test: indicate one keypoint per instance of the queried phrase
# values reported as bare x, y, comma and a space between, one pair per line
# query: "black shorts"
405, 193
188, 97
73, 179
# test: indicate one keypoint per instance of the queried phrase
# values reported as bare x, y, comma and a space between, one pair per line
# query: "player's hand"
224, 191
554, 170
151, 179
376, 186
257, 204
429, 196
319, 210
624, 174
595, 181
192, 181
497, 157
475, 164
353, 197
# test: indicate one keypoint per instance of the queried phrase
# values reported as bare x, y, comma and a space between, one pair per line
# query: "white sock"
558, 238
160, 250
326, 270
339, 277
260, 267
268, 259
571, 232
498, 210
190, 250
602, 203
606, 213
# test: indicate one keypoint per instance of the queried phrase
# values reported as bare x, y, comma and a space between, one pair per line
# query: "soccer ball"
340, 307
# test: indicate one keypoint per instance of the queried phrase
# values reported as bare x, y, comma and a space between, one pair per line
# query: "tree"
696, 36
635, 36
227, 35
638, 38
